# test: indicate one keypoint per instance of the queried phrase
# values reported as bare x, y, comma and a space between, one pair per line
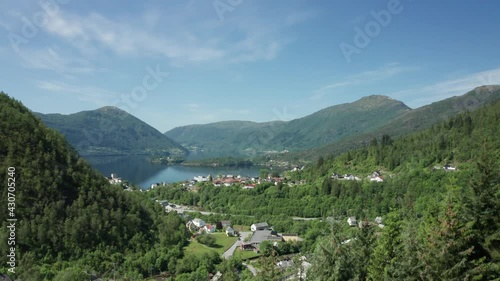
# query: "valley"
403, 184
233, 140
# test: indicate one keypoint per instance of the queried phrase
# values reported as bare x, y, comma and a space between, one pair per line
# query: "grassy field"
222, 243
242, 254
241, 228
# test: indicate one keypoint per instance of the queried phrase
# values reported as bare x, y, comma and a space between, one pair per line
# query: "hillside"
111, 131
70, 220
411, 121
327, 125
227, 137
432, 222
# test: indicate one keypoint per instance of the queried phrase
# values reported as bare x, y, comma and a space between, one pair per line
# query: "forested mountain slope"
439, 224
111, 131
414, 120
70, 220
322, 127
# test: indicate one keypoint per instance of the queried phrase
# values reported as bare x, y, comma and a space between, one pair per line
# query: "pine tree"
332, 259
386, 249
449, 245
362, 249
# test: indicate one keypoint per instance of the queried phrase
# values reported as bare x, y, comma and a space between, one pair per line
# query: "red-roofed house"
209, 228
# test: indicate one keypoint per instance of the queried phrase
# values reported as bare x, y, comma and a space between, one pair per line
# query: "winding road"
229, 253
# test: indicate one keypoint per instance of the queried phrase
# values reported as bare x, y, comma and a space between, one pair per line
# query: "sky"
175, 63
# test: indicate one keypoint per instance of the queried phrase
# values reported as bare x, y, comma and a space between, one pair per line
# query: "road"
304, 219
181, 209
229, 253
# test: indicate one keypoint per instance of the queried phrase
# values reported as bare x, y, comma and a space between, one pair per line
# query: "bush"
206, 239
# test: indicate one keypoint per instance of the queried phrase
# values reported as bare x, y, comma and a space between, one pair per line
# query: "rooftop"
260, 236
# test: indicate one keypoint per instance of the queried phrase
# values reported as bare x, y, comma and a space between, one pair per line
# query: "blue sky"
173, 63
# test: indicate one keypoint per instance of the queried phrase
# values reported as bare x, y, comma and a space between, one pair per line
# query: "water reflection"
140, 171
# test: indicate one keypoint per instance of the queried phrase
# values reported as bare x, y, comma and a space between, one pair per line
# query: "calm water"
138, 170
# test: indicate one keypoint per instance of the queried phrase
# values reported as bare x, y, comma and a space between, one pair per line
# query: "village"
249, 242
245, 242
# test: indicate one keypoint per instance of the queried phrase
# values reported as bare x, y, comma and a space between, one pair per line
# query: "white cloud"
178, 40
94, 95
449, 88
92, 32
381, 73
54, 60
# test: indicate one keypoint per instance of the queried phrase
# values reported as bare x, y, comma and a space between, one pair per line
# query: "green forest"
70, 221
438, 224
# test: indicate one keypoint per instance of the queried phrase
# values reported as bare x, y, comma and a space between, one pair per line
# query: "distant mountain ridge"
320, 128
414, 120
332, 130
111, 131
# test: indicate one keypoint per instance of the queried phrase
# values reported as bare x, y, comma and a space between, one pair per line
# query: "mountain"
325, 126
111, 131
69, 219
414, 120
226, 137
436, 193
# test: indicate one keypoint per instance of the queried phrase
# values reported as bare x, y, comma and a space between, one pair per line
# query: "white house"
352, 221
259, 226
198, 223
377, 179
229, 231
350, 177
201, 178
115, 179
449, 168
249, 186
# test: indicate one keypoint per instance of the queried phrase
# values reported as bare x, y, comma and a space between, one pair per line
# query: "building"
198, 223
246, 246
377, 179
201, 178
209, 228
352, 221
229, 231
225, 223
449, 168
260, 236
114, 179
351, 177
171, 207
259, 226
217, 276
